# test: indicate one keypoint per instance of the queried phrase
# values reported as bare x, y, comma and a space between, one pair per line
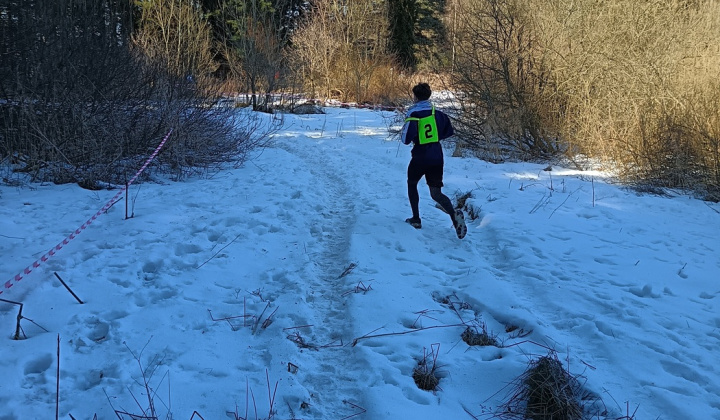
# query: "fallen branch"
355, 341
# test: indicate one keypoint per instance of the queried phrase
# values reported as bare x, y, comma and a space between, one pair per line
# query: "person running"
424, 127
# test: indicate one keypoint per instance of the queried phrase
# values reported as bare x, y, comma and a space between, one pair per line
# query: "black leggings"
433, 175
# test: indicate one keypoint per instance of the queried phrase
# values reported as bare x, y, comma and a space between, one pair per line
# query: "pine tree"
403, 16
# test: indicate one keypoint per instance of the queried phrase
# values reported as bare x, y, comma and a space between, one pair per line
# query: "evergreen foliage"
403, 17
431, 33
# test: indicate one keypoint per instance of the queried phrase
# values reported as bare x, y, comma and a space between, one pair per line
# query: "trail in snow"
336, 381
623, 287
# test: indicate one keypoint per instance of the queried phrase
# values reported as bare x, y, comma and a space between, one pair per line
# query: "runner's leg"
434, 178
414, 174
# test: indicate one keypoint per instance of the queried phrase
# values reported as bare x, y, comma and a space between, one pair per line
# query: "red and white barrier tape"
8, 284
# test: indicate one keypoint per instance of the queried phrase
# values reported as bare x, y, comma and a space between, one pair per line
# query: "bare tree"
342, 49
254, 45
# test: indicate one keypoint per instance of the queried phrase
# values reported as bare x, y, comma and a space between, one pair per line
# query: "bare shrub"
501, 80
82, 104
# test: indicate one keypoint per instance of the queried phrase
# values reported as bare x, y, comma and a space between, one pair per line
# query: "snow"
259, 288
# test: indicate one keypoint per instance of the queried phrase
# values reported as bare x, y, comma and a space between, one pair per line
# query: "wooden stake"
126, 200
57, 387
68, 289
19, 317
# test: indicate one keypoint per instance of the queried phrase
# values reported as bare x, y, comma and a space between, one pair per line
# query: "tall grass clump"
633, 85
638, 83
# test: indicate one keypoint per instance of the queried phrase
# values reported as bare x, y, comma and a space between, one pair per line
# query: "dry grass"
547, 391
473, 336
425, 378
425, 373
632, 83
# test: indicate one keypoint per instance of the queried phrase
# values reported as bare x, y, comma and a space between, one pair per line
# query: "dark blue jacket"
429, 154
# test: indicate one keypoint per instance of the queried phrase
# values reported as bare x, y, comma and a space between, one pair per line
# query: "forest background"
88, 87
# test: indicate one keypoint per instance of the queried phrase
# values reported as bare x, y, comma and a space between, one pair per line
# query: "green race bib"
427, 128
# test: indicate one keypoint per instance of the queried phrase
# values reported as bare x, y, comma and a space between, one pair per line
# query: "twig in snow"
359, 288
299, 326
541, 203
347, 271
516, 332
363, 411
332, 344
228, 318
15, 237
271, 397
257, 321
470, 414
300, 341
561, 204
531, 342
146, 374
221, 249
424, 313
258, 292
19, 317
268, 320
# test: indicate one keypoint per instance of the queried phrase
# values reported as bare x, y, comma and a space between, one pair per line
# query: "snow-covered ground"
293, 285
